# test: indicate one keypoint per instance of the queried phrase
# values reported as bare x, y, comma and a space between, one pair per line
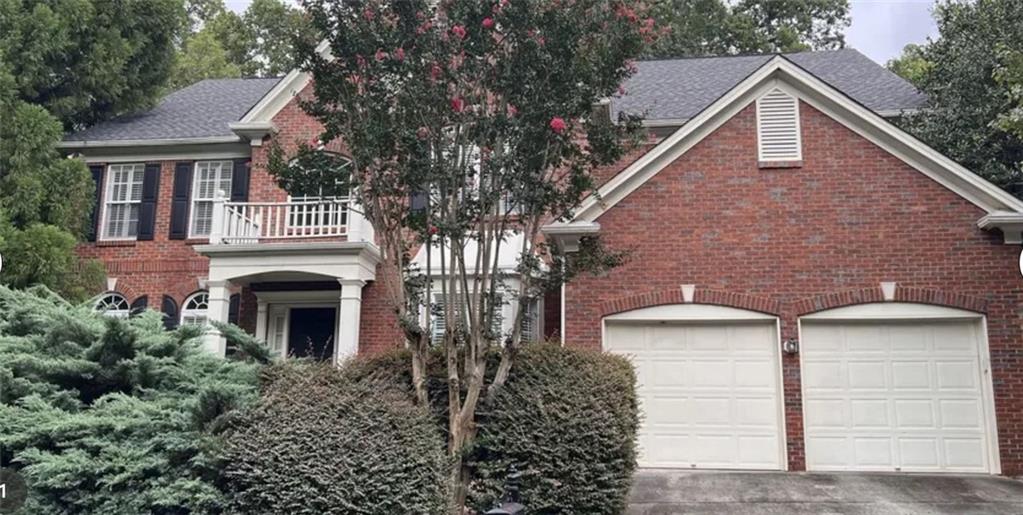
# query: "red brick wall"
781, 240
172, 267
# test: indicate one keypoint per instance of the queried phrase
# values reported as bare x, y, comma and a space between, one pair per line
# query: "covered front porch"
308, 295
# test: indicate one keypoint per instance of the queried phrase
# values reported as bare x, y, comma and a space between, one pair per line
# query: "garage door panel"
895, 396
911, 375
954, 375
710, 392
869, 414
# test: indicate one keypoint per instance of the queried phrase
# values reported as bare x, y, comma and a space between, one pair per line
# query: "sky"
879, 29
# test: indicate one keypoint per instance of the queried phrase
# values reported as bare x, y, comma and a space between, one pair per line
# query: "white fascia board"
823, 97
1011, 225
253, 131
167, 142
291, 85
567, 235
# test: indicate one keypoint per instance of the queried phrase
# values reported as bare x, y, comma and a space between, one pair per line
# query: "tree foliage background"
973, 76
721, 27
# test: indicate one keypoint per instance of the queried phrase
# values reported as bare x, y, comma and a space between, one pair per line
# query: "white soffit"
813, 91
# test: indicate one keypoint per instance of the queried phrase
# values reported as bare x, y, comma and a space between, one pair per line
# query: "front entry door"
311, 333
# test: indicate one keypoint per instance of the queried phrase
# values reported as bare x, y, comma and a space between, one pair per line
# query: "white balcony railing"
296, 219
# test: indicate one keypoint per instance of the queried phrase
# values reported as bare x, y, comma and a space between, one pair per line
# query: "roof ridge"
741, 55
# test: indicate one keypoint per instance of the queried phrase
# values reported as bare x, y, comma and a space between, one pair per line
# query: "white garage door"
709, 392
889, 395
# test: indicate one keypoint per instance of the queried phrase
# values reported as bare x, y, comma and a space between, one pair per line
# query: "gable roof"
781, 71
200, 111
675, 90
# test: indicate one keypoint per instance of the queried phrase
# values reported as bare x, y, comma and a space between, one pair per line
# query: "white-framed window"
531, 322
113, 305
122, 199
209, 177
196, 309
438, 314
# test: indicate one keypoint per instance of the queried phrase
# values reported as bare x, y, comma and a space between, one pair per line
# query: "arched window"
113, 305
195, 309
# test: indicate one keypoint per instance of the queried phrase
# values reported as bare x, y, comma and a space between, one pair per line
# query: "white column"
359, 229
262, 309
219, 218
220, 302
348, 319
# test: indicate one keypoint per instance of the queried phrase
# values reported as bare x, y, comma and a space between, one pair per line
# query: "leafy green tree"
911, 65
971, 79
105, 415
88, 60
1009, 75
483, 112
718, 27
201, 57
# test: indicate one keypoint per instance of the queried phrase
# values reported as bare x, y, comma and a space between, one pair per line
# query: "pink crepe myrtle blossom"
457, 104
558, 124
459, 31
399, 54
488, 23
380, 55
512, 110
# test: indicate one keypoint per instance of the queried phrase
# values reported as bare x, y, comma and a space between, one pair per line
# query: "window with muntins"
113, 305
210, 177
121, 200
778, 134
196, 309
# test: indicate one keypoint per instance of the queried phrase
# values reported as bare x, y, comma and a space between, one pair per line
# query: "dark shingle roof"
201, 110
679, 89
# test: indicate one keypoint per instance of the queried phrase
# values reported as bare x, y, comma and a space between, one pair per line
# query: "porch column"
220, 302
262, 308
348, 319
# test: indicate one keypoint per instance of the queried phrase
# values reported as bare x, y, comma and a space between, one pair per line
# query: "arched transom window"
113, 305
195, 309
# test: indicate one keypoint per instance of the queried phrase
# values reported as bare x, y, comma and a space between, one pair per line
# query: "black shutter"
180, 200
97, 177
417, 201
147, 210
139, 305
170, 312
240, 180
232, 309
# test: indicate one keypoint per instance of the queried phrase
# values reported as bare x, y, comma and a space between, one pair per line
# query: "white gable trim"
287, 88
780, 71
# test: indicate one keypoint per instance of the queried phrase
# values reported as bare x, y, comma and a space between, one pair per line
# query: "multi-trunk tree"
470, 125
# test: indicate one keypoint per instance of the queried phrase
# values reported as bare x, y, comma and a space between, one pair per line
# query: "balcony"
297, 219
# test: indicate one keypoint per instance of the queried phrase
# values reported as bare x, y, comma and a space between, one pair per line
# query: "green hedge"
567, 420
320, 442
104, 415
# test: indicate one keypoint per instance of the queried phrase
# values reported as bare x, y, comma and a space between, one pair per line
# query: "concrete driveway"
661, 492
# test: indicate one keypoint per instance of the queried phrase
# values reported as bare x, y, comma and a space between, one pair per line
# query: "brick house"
808, 288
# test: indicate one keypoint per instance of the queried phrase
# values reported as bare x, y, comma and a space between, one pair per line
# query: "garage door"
709, 392
890, 395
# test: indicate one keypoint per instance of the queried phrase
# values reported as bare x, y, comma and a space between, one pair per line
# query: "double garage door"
878, 395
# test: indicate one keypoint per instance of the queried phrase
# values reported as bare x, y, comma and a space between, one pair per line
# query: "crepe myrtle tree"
467, 122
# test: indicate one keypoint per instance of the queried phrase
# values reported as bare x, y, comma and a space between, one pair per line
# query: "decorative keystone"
888, 291
688, 292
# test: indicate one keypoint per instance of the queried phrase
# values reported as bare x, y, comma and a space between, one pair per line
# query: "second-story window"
210, 176
122, 199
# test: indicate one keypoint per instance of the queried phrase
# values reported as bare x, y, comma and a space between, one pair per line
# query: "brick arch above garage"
902, 294
700, 296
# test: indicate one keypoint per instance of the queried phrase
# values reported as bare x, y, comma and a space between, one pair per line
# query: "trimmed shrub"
104, 415
567, 420
321, 442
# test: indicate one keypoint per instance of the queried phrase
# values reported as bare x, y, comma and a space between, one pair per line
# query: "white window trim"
193, 200
798, 128
108, 185
185, 311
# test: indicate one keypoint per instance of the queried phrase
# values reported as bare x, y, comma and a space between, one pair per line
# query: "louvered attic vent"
778, 127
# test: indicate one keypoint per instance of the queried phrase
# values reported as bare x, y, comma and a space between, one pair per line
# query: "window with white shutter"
778, 137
